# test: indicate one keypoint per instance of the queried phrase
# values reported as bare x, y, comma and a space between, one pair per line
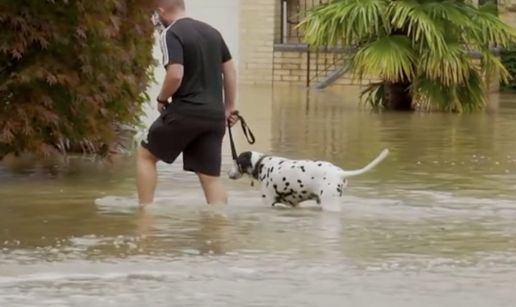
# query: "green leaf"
390, 57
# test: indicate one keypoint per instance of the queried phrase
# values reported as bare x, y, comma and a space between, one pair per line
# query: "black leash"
247, 133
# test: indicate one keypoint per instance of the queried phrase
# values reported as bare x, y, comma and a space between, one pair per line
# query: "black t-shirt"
201, 50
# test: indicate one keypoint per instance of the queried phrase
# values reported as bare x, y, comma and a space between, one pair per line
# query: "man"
195, 57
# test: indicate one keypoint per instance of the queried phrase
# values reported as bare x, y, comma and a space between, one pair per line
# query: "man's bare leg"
146, 176
213, 189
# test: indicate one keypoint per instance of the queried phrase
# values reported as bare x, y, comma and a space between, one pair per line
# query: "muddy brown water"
433, 225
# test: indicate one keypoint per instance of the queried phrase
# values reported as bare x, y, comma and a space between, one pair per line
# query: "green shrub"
508, 58
72, 72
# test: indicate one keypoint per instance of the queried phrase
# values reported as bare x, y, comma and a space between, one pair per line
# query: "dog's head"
245, 164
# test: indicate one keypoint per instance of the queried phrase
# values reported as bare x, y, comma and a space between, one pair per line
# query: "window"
290, 13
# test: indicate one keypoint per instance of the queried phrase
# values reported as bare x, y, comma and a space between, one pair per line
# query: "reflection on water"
433, 225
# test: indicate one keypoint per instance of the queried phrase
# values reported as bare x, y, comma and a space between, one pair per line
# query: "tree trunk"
398, 97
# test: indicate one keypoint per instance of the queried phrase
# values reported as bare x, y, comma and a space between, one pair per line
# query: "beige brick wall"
257, 18
507, 11
290, 67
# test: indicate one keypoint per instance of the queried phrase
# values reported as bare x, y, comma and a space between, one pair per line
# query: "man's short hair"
171, 4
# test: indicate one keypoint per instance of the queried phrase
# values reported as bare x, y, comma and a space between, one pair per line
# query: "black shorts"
199, 139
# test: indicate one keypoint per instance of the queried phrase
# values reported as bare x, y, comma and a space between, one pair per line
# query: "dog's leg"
331, 204
329, 199
294, 205
268, 201
268, 197
330, 191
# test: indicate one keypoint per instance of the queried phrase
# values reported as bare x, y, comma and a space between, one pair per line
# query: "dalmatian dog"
290, 182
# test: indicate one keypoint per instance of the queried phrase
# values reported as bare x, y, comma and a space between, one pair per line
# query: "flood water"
433, 225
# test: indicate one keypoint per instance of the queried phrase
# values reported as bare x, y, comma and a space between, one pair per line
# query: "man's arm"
230, 78
172, 50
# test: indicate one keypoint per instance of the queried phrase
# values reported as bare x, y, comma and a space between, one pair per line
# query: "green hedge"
72, 72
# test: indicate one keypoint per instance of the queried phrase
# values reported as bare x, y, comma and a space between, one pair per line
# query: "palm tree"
421, 50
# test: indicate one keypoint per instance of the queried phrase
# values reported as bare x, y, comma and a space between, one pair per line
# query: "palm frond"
346, 22
492, 65
374, 94
487, 28
411, 17
390, 57
450, 68
432, 95
452, 11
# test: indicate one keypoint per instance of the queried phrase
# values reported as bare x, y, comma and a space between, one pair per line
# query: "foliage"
508, 57
422, 43
72, 72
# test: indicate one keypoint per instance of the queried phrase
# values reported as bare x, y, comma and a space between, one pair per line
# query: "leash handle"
245, 128
247, 133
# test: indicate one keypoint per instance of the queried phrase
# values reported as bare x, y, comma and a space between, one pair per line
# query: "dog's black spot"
304, 192
313, 178
284, 197
324, 178
340, 189
287, 184
299, 181
301, 186
272, 169
267, 184
302, 169
263, 196
321, 193
275, 187
293, 166
319, 164
284, 178
281, 162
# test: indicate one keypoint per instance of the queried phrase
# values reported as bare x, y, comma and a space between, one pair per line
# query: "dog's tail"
368, 167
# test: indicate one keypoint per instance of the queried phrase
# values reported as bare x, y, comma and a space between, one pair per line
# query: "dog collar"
256, 170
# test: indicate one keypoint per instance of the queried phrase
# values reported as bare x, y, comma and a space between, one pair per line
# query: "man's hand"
231, 117
162, 104
161, 107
